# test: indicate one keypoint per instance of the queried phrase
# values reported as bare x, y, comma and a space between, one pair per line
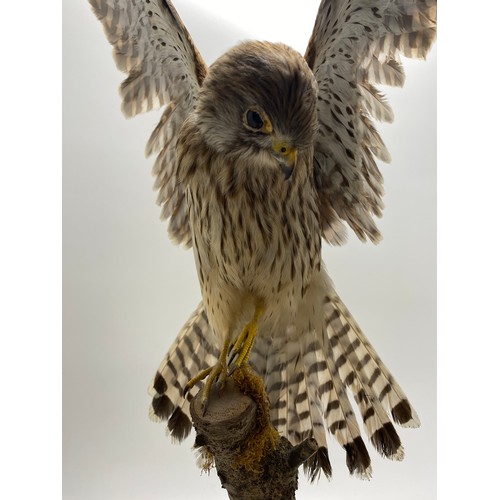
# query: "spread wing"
356, 44
152, 45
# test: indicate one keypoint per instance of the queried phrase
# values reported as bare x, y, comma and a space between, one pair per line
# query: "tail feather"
374, 375
289, 373
284, 379
313, 366
307, 410
190, 353
273, 369
341, 421
307, 376
376, 423
360, 369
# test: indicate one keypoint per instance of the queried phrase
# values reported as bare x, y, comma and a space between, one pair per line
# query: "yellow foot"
243, 346
217, 372
240, 353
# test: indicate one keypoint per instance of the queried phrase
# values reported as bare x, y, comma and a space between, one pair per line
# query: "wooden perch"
230, 435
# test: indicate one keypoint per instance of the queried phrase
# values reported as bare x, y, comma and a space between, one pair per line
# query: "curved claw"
240, 353
221, 380
220, 369
217, 372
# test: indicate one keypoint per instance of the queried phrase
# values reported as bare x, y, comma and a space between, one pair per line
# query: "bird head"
258, 102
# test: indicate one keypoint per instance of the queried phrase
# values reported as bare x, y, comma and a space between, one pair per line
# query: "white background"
127, 289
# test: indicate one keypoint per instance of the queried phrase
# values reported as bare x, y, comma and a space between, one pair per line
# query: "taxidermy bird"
259, 158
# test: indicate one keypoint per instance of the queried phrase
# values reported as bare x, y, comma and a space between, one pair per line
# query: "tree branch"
228, 435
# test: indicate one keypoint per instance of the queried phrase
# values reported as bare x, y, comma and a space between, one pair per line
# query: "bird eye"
254, 120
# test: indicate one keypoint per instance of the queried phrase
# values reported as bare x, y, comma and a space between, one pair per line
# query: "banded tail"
307, 381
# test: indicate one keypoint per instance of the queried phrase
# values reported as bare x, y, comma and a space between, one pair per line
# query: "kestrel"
260, 157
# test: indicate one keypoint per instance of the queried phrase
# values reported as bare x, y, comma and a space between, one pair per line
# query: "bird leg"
244, 343
241, 352
218, 371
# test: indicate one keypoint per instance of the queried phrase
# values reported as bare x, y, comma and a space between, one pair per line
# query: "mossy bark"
252, 461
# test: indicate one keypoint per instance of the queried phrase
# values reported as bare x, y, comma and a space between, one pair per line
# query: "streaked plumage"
255, 227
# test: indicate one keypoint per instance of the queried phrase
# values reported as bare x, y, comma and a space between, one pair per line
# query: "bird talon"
204, 406
231, 356
217, 374
202, 375
243, 345
221, 382
239, 355
232, 369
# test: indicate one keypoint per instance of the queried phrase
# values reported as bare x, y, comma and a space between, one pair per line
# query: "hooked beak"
287, 155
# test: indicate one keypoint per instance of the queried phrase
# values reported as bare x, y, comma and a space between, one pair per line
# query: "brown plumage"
259, 157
